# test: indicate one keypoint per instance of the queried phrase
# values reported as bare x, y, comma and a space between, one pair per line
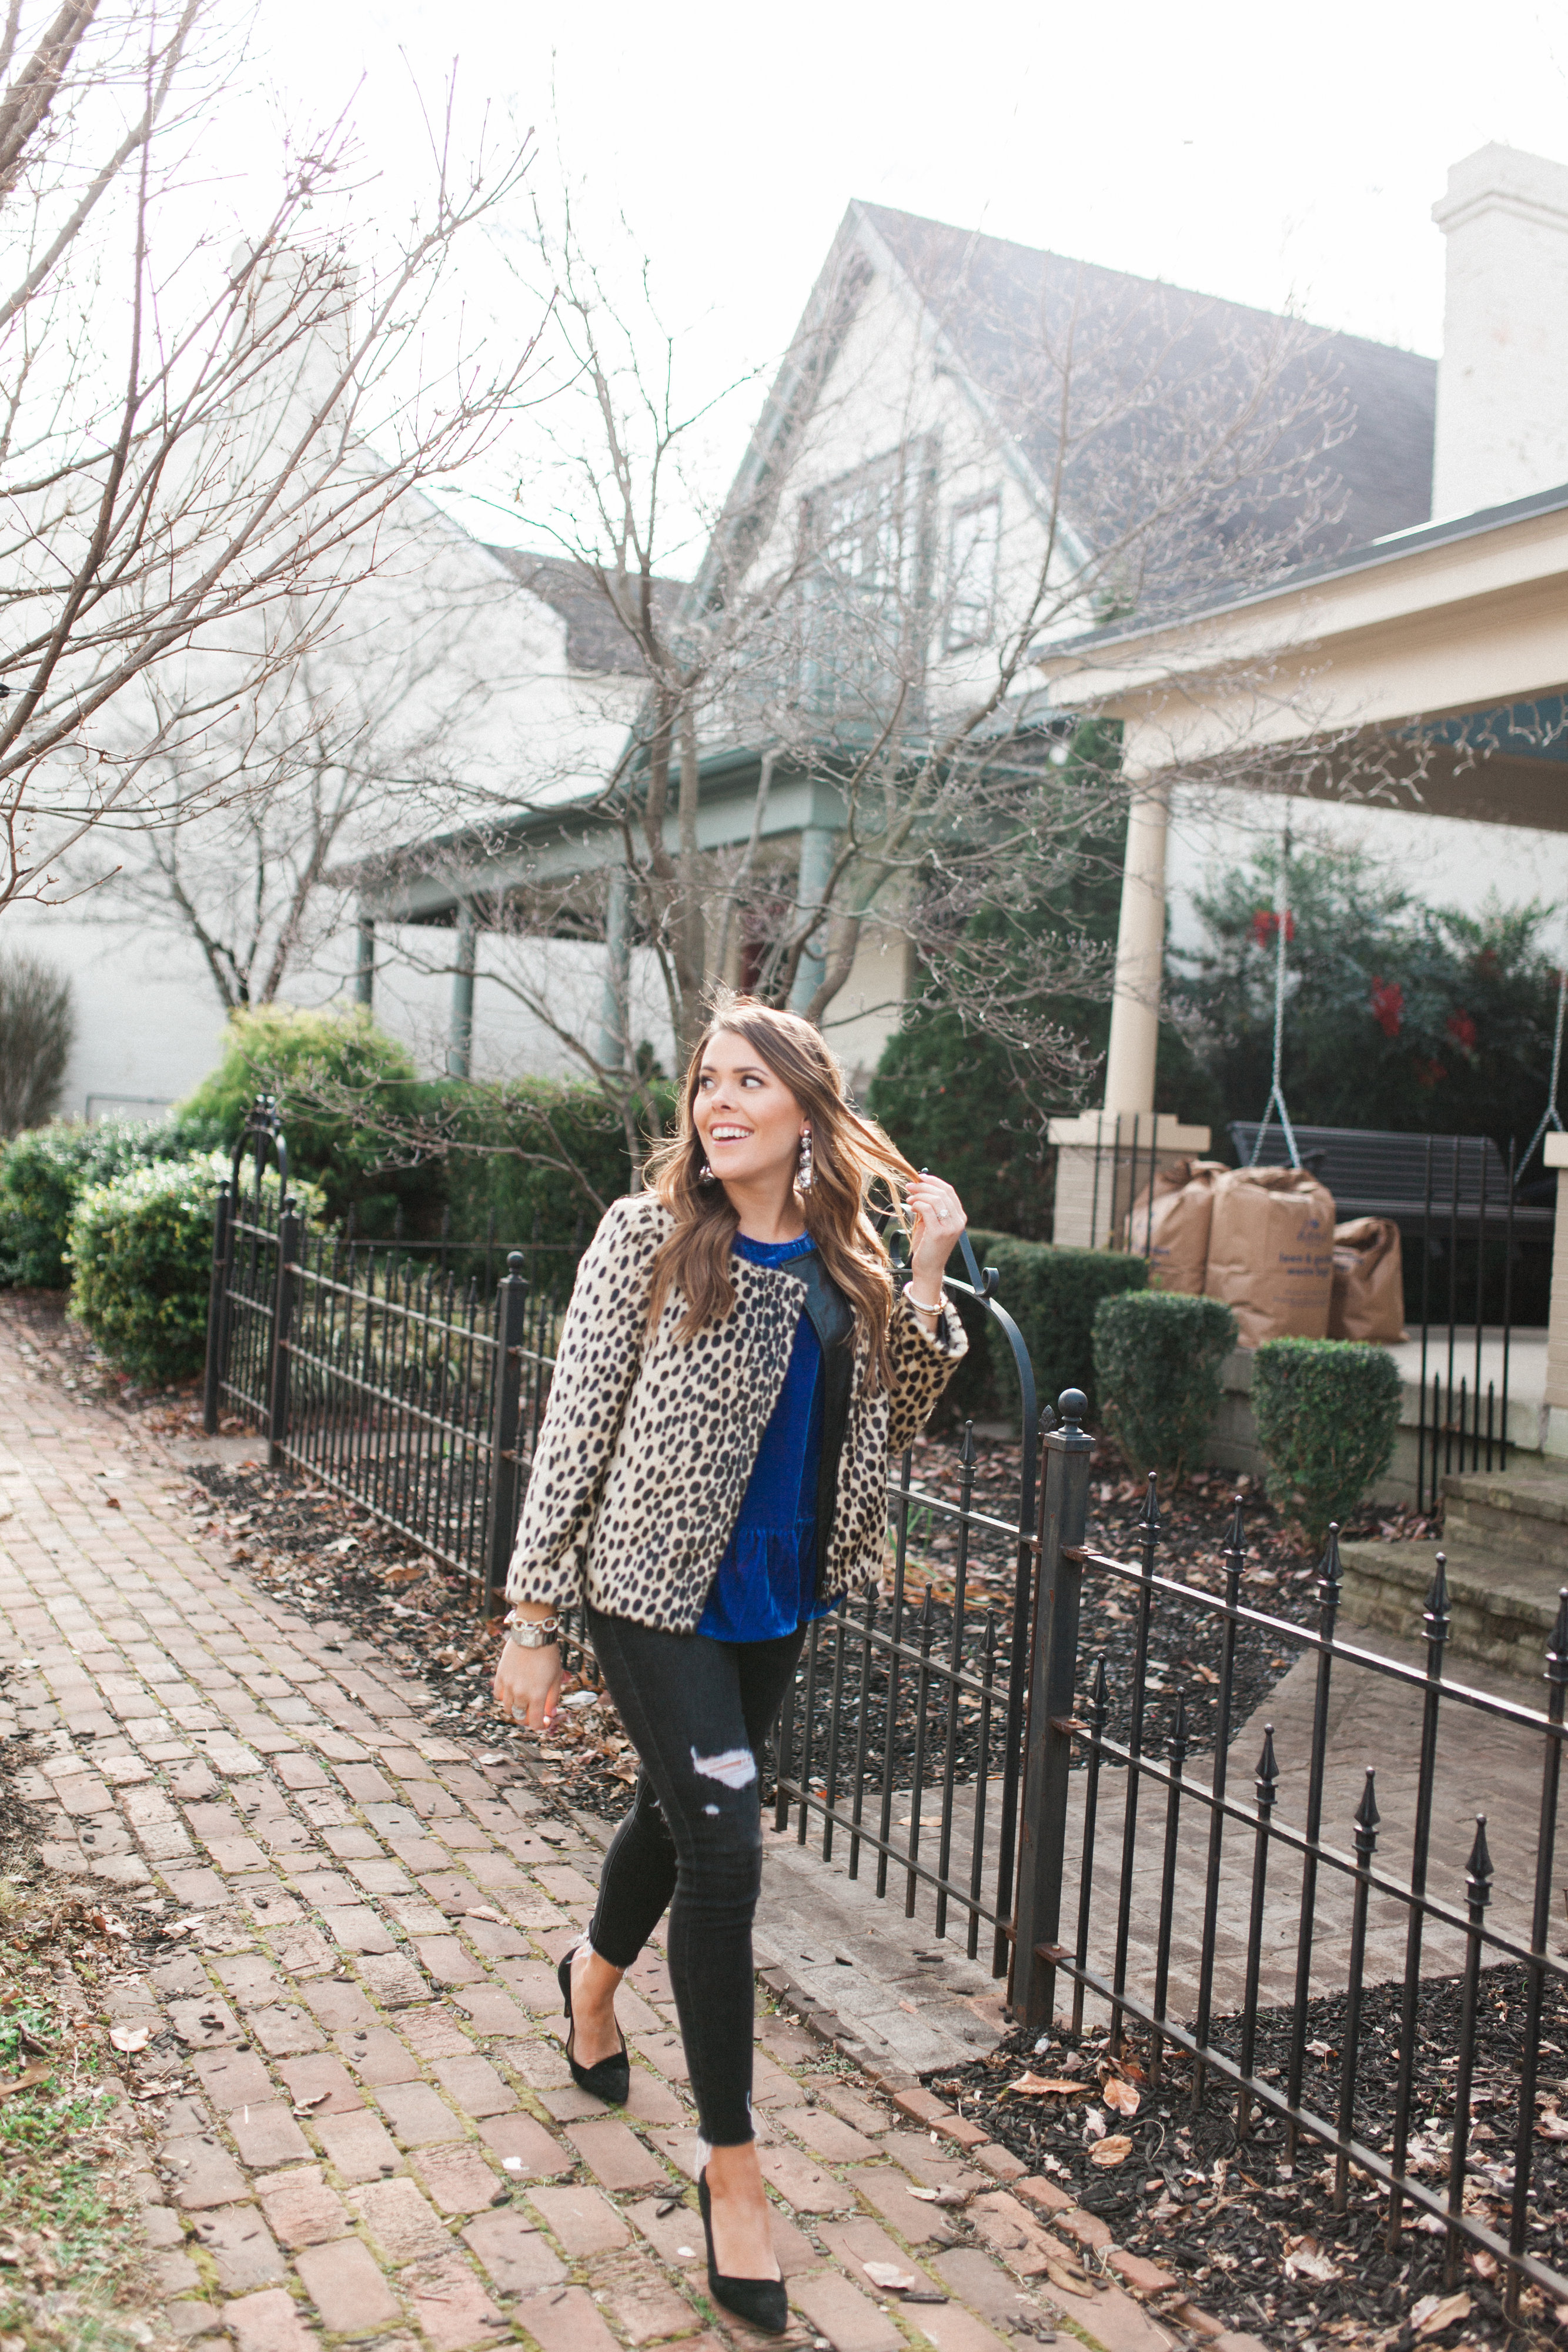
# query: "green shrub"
493, 1125
322, 1066
1327, 1413
42, 1175
1051, 1295
1157, 1358
141, 1254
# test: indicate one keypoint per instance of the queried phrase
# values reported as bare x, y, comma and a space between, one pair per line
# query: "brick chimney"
1502, 382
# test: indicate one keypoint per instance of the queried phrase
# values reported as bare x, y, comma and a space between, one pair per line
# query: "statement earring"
704, 1174
803, 1172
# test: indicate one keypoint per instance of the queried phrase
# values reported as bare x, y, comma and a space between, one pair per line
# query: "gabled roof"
1001, 306
595, 641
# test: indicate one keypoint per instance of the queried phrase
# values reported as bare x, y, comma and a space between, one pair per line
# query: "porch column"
365, 962
816, 864
460, 1039
1140, 954
615, 1019
1105, 1159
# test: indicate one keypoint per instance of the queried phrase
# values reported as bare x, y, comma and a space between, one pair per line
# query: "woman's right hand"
528, 1684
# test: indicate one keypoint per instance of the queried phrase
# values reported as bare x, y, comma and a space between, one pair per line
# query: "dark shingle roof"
595, 641
1005, 309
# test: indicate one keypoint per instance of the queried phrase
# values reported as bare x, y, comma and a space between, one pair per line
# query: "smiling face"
749, 1121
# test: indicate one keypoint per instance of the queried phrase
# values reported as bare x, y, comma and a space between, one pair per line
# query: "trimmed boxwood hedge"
141, 1255
1327, 1413
1157, 1358
1051, 1295
44, 1172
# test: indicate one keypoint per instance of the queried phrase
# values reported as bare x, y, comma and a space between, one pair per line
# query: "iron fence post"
289, 1232
217, 1294
1048, 1752
501, 1503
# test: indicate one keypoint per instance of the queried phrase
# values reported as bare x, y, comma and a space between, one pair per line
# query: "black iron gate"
917, 1698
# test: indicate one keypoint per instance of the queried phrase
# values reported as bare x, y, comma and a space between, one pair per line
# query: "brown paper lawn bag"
1368, 1300
1270, 1252
1170, 1224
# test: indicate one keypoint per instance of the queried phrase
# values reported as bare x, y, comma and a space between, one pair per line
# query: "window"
863, 531
973, 541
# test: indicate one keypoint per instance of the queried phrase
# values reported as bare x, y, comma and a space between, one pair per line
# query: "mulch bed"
1254, 2238
350, 1577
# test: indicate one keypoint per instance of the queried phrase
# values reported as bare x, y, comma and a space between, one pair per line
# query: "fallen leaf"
108, 1925
1551, 2126
1120, 2095
1483, 2264
311, 2099
951, 2196
1040, 2086
1305, 2259
1114, 2150
482, 1911
130, 2037
1093, 2125
27, 2078
1070, 2282
1434, 2312
889, 2275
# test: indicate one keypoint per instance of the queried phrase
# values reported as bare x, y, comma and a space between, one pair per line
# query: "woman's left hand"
939, 1219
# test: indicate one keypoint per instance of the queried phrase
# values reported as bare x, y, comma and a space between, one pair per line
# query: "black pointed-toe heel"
761, 2302
610, 2078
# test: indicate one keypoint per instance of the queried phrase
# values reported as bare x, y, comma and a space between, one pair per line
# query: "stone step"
1504, 1608
1518, 1515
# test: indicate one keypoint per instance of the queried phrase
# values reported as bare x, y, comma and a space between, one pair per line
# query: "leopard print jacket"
648, 1441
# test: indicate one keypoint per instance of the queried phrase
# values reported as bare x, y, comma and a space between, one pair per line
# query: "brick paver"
360, 2122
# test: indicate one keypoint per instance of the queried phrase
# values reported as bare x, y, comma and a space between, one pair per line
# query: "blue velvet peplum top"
765, 1584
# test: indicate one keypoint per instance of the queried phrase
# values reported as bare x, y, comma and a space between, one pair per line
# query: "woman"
736, 1368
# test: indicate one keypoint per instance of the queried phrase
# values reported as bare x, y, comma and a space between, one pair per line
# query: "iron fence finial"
1479, 1870
1149, 1518
1330, 1572
1268, 1773
1235, 1537
1438, 1612
1367, 1816
1073, 1405
966, 1451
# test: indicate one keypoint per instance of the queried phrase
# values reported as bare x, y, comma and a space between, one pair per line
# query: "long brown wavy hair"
849, 1155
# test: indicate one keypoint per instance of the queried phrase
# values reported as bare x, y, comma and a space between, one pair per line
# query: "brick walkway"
359, 2121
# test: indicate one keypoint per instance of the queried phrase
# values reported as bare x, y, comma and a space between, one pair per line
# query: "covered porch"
1437, 660
561, 871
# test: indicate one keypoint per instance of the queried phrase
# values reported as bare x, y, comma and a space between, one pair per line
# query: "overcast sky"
1279, 157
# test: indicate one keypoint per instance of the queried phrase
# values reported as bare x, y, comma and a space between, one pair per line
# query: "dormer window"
974, 538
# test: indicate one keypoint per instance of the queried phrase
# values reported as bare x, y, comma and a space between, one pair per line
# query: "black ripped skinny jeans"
699, 1713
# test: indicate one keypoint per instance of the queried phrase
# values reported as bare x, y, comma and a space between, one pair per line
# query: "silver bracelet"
533, 1633
920, 1308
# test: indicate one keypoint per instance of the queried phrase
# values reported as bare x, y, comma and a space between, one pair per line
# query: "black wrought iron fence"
398, 1383
1141, 1881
